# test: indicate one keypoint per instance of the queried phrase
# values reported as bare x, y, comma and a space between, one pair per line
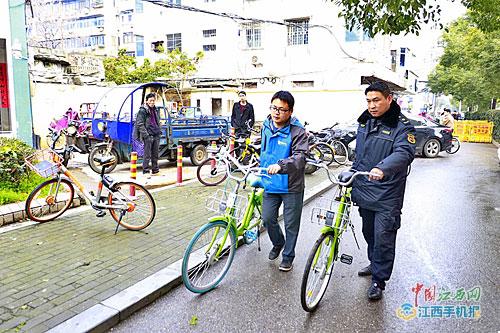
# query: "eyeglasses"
277, 109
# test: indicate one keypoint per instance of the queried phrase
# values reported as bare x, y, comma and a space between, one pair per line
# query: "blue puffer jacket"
286, 147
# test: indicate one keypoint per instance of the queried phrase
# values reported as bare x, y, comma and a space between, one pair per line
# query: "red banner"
4, 86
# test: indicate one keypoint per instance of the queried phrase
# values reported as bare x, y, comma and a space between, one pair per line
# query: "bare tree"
46, 24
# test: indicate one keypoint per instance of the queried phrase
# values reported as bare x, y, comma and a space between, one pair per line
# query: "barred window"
298, 31
253, 35
174, 41
209, 33
211, 47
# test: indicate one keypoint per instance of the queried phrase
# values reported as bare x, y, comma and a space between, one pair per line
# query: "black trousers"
379, 230
151, 148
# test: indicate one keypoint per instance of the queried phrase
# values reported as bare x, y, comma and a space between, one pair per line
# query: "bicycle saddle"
102, 160
345, 176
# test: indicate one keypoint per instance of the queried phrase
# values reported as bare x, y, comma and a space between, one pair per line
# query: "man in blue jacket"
385, 146
283, 148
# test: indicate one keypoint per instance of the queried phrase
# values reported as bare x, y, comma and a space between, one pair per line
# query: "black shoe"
367, 271
275, 253
374, 292
286, 265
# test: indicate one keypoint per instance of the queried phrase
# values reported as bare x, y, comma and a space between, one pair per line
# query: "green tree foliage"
469, 69
177, 65
118, 69
393, 17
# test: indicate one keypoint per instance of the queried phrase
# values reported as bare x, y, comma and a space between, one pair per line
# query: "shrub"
490, 115
12, 154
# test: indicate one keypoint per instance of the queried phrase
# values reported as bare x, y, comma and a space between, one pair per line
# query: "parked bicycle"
210, 252
335, 215
130, 204
455, 146
214, 170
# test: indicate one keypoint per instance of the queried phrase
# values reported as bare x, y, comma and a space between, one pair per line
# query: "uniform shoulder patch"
411, 138
403, 119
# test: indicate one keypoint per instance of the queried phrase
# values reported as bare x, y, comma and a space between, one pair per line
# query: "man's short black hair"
447, 110
380, 87
242, 93
285, 96
148, 96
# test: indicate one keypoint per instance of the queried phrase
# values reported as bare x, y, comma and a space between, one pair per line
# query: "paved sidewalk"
73, 274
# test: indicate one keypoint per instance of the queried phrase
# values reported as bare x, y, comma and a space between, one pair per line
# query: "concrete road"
448, 244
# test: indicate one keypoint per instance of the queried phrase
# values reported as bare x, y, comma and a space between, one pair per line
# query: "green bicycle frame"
254, 201
345, 202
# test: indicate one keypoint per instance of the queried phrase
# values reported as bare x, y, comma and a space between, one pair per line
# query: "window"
174, 42
402, 57
130, 53
356, 35
209, 33
174, 2
139, 7
298, 31
139, 45
128, 37
302, 84
157, 46
252, 33
211, 47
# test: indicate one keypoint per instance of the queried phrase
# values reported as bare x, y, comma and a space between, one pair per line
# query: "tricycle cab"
118, 108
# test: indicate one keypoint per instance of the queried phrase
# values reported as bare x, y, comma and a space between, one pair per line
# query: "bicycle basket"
44, 162
227, 202
327, 212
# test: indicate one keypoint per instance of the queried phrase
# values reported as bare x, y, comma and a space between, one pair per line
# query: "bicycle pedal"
100, 214
346, 259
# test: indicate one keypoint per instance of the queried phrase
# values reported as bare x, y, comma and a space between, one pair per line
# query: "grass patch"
14, 192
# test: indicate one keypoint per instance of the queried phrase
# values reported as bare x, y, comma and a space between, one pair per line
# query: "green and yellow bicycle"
335, 216
210, 252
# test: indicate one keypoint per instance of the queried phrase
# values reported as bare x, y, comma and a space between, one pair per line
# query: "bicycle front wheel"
211, 172
455, 146
141, 207
340, 153
318, 271
208, 256
49, 200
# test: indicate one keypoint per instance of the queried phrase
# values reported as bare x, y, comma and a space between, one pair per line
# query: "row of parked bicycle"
328, 145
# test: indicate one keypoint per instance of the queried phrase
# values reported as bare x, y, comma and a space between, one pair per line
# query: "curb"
101, 317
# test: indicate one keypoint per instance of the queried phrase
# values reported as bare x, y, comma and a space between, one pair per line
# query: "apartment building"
256, 45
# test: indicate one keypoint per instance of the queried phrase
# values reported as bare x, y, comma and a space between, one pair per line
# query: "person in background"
446, 118
242, 116
148, 131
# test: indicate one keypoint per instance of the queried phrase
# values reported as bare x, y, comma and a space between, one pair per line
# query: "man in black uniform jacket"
385, 146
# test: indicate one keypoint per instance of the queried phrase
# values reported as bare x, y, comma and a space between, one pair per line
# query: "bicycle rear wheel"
455, 146
141, 205
341, 155
208, 256
318, 271
211, 172
49, 200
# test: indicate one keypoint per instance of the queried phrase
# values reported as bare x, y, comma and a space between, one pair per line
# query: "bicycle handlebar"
335, 180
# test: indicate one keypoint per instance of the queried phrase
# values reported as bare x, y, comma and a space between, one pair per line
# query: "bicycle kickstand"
354, 234
122, 213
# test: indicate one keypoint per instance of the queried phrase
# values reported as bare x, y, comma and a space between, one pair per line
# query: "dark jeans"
292, 211
151, 147
379, 230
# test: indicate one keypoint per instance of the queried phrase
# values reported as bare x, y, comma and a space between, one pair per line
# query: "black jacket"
239, 119
144, 128
387, 143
